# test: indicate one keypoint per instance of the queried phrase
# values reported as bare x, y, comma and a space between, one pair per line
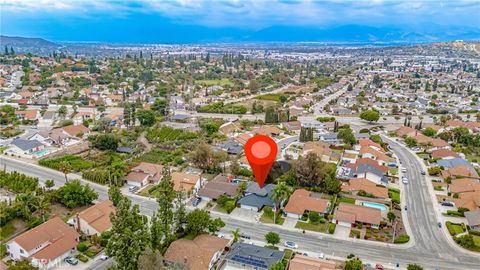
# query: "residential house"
444, 154
380, 157
218, 186
45, 245
303, 262
473, 220
248, 256
462, 185
267, 130
302, 201
30, 115
232, 148
201, 253
348, 214
331, 138
406, 131
358, 184
321, 149
469, 200
144, 173
459, 171
20, 146
368, 143
242, 138
186, 182
76, 130
256, 198
95, 219
293, 126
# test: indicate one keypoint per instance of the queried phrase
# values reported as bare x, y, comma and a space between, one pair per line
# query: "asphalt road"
431, 249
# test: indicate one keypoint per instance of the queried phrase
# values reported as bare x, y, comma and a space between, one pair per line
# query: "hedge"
401, 239
77, 163
331, 228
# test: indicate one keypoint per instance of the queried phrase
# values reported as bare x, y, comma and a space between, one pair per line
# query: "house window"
21, 251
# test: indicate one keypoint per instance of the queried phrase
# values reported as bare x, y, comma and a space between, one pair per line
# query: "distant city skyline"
184, 21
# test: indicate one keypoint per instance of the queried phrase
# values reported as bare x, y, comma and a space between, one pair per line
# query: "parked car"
104, 257
405, 208
133, 188
404, 180
404, 170
447, 204
321, 256
379, 266
290, 244
244, 236
71, 260
439, 225
196, 201
423, 173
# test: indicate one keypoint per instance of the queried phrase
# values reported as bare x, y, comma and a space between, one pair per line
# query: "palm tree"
281, 192
236, 235
66, 168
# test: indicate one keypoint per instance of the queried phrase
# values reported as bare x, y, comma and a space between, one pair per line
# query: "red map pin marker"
260, 151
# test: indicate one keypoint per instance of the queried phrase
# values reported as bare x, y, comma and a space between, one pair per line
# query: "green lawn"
476, 240
394, 194
272, 97
454, 228
221, 82
266, 218
6, 231
423, 155
220, 209
317, 227
346, 200
393, 171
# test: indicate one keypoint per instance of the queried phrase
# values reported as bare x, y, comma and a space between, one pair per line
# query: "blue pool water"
41, 153
381, 207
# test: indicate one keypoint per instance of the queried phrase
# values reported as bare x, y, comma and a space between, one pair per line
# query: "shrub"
401, 239
331, 228
313, 217
355, 233
17, 182
82, 247
434, 170
77, 163
81, 258
455, 213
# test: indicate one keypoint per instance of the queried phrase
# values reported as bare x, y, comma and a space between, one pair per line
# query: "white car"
290, 244
104, 257
404, 170
404, 180
321, 256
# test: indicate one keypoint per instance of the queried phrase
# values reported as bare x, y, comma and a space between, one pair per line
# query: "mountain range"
200, 34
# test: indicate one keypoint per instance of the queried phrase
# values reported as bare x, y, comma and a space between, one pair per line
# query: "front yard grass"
394, 194
316, 227
7, 230
267, 217
346, 200
393, 171
454, 228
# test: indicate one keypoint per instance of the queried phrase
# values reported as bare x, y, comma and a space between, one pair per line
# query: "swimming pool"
41, 153
381, 207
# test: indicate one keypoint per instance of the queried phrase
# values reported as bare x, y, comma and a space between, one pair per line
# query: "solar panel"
250, 261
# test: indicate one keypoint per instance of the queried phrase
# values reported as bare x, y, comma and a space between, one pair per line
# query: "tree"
162, 229
205, 158
198, 221
74, 194
160, 106
414, 267
105, 142
236, 235
129, 235
49, 183
346, 134
114, 194
354, 264
410, 142
310, 170
391, 216
62, 111
271, 115
272, 238
65, 168
349, 87
215, 225
430, 132
279, 193
146, 117
370, 115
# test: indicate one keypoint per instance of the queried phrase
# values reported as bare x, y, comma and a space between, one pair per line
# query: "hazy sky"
117, 19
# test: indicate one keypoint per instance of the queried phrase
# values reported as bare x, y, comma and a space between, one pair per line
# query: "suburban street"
430, 249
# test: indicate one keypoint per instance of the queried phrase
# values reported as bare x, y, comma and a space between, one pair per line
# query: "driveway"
245, 214
290, 222
342, 231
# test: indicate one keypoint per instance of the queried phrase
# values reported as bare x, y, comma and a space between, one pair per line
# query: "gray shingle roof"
256, 196
473, 217
255, 256
26, 144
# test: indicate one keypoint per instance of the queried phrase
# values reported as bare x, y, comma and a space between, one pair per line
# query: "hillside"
25, 42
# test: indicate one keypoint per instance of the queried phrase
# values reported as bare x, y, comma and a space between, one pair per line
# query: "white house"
45, 245
24, 147
95, 219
